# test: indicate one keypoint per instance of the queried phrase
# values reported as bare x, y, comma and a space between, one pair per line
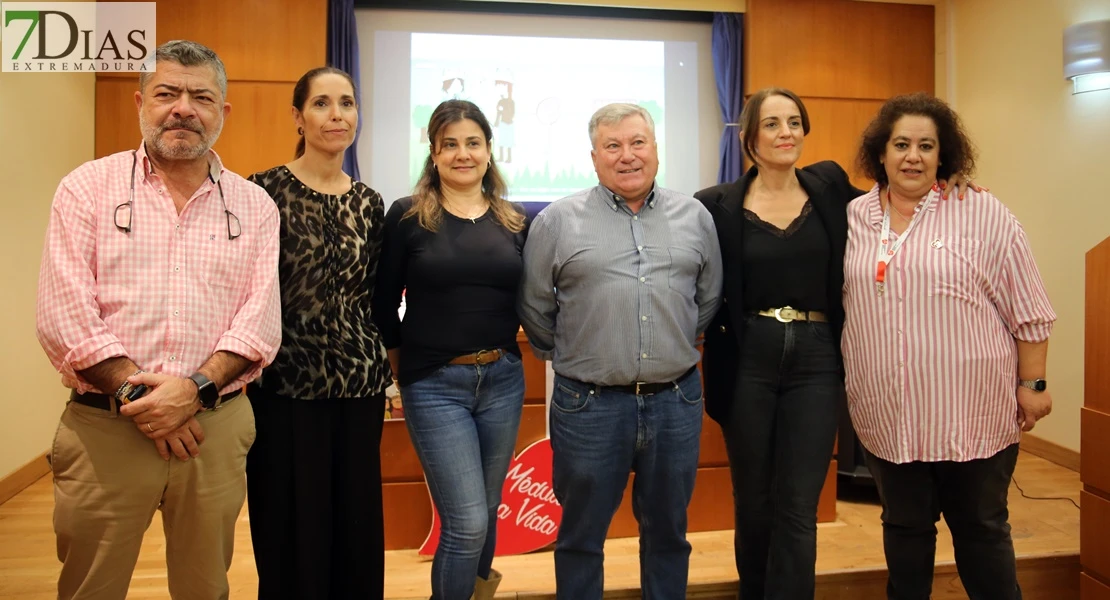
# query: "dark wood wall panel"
258, 40
836, 125
839, 48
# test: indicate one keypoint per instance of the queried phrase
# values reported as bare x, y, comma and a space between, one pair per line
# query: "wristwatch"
1037, 385
206, 390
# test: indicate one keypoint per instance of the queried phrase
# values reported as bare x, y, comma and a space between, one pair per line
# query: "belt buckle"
478, 356
638, 383
787, 319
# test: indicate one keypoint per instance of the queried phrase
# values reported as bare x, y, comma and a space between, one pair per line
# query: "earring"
300, 131
489, 163
435, 167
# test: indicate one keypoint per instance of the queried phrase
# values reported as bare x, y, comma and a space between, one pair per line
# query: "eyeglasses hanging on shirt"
232, 232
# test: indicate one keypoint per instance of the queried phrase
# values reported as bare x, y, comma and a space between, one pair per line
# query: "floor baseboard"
24, 476
1050, 451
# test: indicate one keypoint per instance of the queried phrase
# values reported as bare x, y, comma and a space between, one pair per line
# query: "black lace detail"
790, 230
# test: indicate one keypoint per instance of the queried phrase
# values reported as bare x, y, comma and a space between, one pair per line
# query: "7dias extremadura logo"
57, 37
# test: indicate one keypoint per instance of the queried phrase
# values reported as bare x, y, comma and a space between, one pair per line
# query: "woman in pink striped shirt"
944, 345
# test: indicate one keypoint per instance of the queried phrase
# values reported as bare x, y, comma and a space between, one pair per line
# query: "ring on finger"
149, 428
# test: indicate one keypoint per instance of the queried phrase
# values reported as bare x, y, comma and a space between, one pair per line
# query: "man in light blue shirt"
619, 281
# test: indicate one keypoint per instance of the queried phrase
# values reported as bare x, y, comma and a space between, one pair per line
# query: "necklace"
890, 203
466, 215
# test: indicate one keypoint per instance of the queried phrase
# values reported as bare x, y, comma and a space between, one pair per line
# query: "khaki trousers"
108, 481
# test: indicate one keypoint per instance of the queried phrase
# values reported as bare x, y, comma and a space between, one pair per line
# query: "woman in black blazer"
772, 355
772, 364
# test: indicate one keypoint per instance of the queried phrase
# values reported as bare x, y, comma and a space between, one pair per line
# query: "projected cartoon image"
538, 94
503, 122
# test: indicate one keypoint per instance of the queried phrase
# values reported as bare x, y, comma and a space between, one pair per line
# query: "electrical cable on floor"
1024, 495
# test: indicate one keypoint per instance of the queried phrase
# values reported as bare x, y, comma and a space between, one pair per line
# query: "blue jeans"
463, 420
598, 438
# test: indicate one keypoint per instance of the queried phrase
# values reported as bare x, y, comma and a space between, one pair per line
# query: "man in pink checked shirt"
157, 302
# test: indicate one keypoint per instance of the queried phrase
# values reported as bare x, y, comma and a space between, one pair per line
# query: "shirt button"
722, 328
643, 317
161, 191
899, 363
644, 355
643, 279
175, 313
636, 218
176, 269
173, 358
639, 248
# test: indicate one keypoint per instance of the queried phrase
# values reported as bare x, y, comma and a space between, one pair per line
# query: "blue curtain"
728, 67
343, 54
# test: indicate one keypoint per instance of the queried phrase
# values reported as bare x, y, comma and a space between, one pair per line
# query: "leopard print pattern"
330, 346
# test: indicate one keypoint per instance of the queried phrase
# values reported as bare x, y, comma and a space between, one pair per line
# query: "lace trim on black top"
790, 230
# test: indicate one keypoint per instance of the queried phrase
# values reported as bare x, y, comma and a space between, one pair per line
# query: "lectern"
1094, 517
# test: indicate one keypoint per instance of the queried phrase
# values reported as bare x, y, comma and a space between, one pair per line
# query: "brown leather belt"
481, 357
105, 402
787, 314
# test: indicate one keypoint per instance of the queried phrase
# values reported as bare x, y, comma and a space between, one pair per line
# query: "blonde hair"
427, 196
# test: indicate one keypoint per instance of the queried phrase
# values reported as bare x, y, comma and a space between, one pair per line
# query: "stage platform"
850, 553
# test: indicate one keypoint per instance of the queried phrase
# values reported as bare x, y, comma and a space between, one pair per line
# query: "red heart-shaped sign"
529, 516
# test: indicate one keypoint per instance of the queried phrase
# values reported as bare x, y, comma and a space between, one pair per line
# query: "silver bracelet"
126, 387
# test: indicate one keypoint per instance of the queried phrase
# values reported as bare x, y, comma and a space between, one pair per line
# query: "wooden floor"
850, 552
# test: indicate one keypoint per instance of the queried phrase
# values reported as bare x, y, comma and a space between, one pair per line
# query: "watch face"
206, 390
1040, 385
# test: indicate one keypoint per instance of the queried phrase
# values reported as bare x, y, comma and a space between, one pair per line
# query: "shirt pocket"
682, 272
956, 273
224, 269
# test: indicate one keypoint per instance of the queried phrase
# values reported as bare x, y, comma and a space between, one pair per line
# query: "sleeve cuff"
254, 350
1033, 333
542, 354
87, 354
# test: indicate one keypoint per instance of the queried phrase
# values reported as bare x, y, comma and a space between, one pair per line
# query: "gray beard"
153, 136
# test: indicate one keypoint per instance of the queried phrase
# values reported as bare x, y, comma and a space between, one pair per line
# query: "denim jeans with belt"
463, 420
599, 437
780, 437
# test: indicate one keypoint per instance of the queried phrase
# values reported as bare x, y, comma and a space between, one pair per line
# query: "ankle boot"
485, 588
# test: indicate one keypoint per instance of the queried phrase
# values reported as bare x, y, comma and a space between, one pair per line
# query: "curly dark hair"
957, 154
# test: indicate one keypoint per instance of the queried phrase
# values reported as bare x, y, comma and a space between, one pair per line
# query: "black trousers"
972, 497
780, 436
314, 492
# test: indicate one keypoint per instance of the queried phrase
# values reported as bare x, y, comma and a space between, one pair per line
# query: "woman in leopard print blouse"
314, 472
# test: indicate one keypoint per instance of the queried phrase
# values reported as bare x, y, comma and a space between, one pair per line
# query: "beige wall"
1043, 152
46, 130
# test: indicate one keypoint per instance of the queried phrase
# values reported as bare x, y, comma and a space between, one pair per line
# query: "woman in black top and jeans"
772, 355
455, 247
